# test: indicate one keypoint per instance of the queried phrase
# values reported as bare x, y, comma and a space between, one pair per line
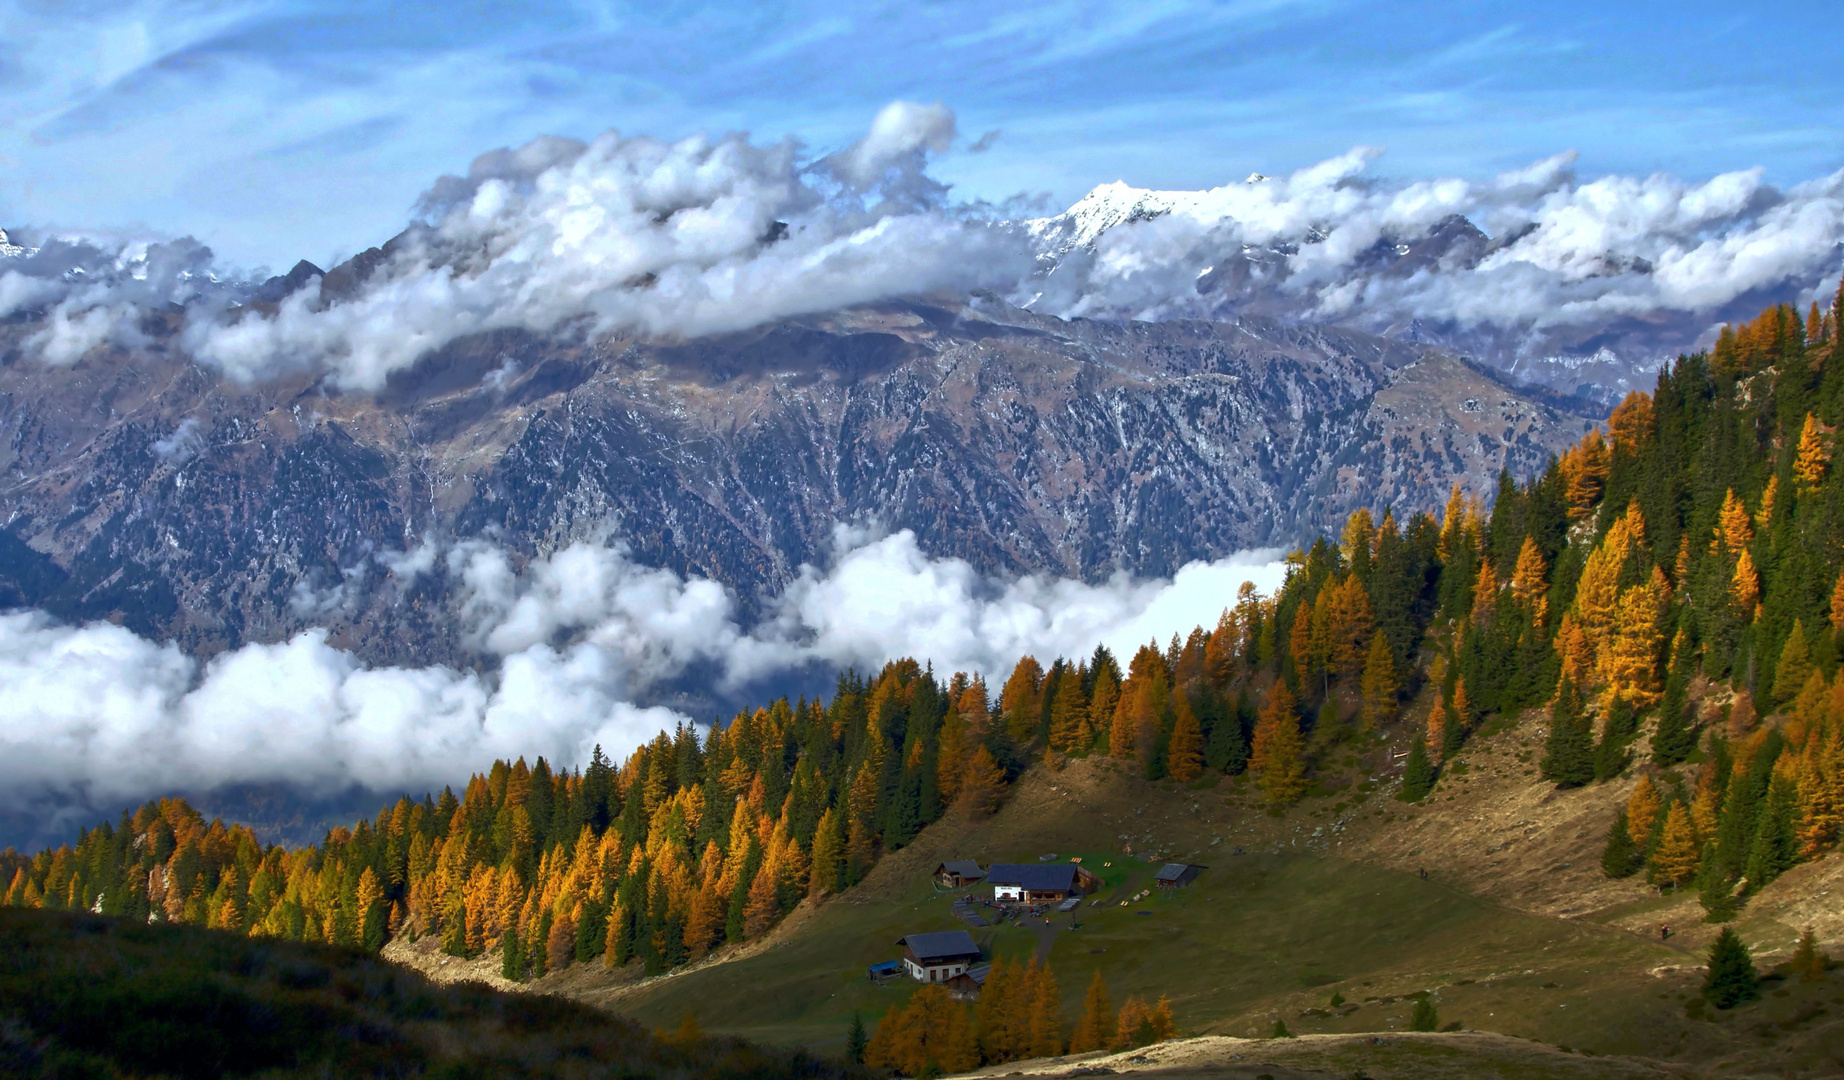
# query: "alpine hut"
939, 956
958, 874
1032, 884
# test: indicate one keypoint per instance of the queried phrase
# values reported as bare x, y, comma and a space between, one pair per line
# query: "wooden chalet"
967, 985
940, 956
958, 874
1176, 875
1037, 883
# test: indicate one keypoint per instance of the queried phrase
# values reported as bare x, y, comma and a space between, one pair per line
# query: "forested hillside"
1670, 588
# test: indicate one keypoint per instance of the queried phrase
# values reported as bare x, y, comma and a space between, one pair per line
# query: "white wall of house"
936, 973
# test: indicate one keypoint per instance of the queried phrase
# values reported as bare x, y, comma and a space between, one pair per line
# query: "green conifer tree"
1731, 979
511, 956
1425, 1017
1715, 889
1568, 759
1808, 962
1621, 857
856, 1039
1418, 772
1617, 727
1676, 734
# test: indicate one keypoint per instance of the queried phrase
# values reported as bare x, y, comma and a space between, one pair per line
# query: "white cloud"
671, 240
98, 714
702, 236
899, 136
1557, 259
182, 445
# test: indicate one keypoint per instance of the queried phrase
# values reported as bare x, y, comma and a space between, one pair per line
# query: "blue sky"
278, 129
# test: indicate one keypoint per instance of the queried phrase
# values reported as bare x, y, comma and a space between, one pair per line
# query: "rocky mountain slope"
142, 488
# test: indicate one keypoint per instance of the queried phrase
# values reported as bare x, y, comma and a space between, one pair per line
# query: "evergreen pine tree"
1425, 1017
856, 1038
1418, 772
1610, 754
511, 957
1226, 750
1676, 734
1621, 857
1715, 889
1279, 1030
1568, 760
1731, 979
1808, 963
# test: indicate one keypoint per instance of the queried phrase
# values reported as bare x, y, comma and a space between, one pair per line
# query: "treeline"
698, 839
1018, 1015
1688, 553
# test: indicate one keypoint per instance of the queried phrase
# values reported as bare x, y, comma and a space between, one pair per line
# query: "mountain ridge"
144, 489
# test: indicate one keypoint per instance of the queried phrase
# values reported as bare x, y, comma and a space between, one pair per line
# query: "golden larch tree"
1632, 423
1378, 684
1092, 1030
933, 1029
1529, 584
983, 784
1764, 516
1745, 587
1069, 724
1351, 620
1046, 1023
1677, 856
1453, 524
1641, 811
1359, 536
1734, 530
1277, 756
1021, 701
1632, 662
1185, 752
1584, 471
1435, 735
1813, 455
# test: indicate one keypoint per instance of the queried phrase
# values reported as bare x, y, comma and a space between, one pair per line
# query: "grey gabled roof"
1036, 878
966, 868
941, 945
1174, 870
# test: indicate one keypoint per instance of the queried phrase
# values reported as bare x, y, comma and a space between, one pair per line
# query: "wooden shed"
958, 874
1176, 875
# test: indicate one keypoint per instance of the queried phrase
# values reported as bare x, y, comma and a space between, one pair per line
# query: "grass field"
1260, 937
1254, 937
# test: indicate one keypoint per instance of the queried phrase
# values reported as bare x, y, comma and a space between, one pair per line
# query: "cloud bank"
706, 235
578, 642
1534, 260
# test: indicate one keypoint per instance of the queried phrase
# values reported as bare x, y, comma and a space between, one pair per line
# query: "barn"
1034, 883
939, 956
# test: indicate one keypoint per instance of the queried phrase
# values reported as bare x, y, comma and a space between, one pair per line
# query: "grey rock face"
143, 489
